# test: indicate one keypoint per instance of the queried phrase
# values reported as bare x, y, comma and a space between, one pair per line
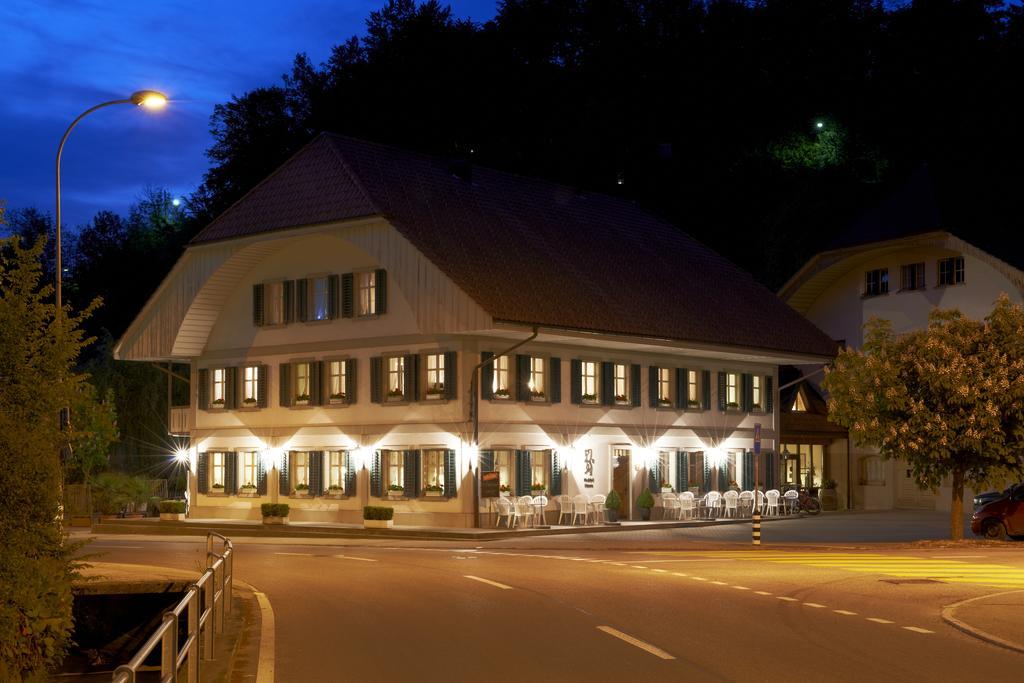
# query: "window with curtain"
500, 387
366, 284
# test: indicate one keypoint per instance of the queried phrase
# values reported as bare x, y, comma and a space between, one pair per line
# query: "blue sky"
60, 57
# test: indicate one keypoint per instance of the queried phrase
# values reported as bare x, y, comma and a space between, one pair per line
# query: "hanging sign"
588, 468
489, 484
757, 438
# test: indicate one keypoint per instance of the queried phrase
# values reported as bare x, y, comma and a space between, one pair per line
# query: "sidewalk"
993, 618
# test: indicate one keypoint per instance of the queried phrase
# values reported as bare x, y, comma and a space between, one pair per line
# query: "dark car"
985, 498
1001, 517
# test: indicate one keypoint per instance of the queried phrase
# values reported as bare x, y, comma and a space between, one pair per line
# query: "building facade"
334, 320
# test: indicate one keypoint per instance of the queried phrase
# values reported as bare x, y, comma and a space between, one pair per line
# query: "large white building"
334, 317
898, 262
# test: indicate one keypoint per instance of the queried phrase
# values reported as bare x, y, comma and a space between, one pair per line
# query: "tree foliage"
948, 399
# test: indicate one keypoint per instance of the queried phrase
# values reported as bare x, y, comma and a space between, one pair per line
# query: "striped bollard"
756, 528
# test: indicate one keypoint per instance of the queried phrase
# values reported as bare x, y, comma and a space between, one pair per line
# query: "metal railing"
205, 604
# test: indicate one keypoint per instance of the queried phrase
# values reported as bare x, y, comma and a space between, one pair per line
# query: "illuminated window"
394, 468
319, 298
366, 293
217, 472
799, 404
538, 472
300, 469
755, 393
588, 381
503, 464
336, 472
218, 388
396, 378
435, 375
732, 390
500, 380
337, 380
250, 385
433, 471
620, 381
692, 395
301, 379
664, 387
536, 382
248, 472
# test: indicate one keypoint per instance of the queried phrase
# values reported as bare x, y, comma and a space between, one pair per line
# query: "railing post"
208, 589
193, 634
229, 565
209, 548
219, 606
169, 648
126, 672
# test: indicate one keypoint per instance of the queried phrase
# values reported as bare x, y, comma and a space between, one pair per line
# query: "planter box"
503, 494
172, 516
301, 494
668, 490
828, 498
378, 523
539, 492
433, 494
275, 520
250, 493
396, 494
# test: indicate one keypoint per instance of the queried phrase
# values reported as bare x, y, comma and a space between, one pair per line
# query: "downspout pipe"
474, 416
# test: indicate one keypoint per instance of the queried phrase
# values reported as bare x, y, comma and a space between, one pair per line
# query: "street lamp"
150, 99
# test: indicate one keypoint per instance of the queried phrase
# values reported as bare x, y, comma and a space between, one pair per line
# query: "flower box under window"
217, 489
589, 398
335, 490
249, 403
433, 490
247, 490
302, 400
396, 395
621, 400
217, 403
502, 394
538, 396
301, 489
434, 393
396, 491
664, 403
693, 404
732, 406
337, 398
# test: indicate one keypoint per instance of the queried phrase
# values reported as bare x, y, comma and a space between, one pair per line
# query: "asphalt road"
368, 613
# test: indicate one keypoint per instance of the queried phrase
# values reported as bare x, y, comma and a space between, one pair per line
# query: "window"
503, 465
299, 463
301, 383
217, 472
665, 468
435, 375
433, 472
620, 384
366, 290
500, 382
273, 303
799, 404
951, 270
394, 469
319, 298
248, 472
396, 378
732, 390
538, 472
695, 469
664, 387
536, 381
337, 379
912, 276
876, 282
804, 465
250, 385
588, 381
219, 383
692, 389
336, 472
756, 402
872, 471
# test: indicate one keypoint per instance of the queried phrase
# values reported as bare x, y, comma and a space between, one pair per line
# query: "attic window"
799, 405
951, 271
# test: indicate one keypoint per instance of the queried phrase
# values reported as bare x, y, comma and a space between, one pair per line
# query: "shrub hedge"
173, 506
274, 509
378, 512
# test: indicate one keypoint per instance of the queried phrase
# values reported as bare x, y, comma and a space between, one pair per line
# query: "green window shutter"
723, 476
771, 469
352, 381
231, 473
681, 385
652, 385
350, 475
706, 465
746, 390
634, 385
377, 379
261, 386
705, 390
451, 375
607, 384
285, 384
748, 470
316, 391
554, 474
411, 473
203, 390
522, 378
412, 377
376, 475
283, 476
347, 296
769, 395
721, 391
289, 301
316, 473
555, 380
261, 476
333, 296
381, 291
231, 388
486, 461
486, 376
203, 472
576, 381
302, 300
682, 471
450, 474
257, 305
524, 473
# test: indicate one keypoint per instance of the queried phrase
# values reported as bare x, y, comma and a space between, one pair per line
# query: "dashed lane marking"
488, 582
638, 566
787, 599
813, 604
720, 583
636, 642
297, 554
879, 621
660, 571
917, 629
762, 592
679, 574
845, 612
741, 588
352, 557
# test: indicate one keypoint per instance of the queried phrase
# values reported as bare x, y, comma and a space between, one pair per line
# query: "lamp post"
151, 99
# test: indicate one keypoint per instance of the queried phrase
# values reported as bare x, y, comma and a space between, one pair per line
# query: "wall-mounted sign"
588, 468
489, 484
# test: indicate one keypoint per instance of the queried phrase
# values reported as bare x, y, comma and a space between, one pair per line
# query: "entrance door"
620, 480
908, 495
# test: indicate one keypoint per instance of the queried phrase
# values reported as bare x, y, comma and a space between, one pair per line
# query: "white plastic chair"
773, 501
524, 509
564, 507
580, 508
506, 510
711, 502
540, 504
687, 504
597, 507
730, 498
789, 499
746, 502
671, 506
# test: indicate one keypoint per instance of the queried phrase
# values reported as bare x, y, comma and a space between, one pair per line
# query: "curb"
947, 616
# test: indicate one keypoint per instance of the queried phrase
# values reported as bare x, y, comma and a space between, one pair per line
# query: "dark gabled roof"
812, 424
529, 251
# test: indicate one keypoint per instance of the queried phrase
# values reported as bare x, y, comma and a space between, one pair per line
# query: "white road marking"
679, 574
762, 592
917, 629
813, 604
741, 588
488, 582
351, 557
879, 621
265, 665
698, 578
638, 566
298, 554
660, 571
619, 564
119, 547
783, 597
845, 612
646, 647
720, 583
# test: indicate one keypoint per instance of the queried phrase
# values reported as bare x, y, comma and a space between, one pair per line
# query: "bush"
613, 501
173, 506
646, 500
275, 509
378, 512
153, 506
113, 492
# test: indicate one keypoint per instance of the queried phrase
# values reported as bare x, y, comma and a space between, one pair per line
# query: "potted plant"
621, 399
537, 489
302, 400
335, 490
217, 403
666, 487
302, 489
502, 394
733, 486
247, 489
434, 393
589, 398
396, 395
172, 510
378, 517
433, 490
537, 395
612, 503
504, 490
396, 491
275, 513
337, 397
664, 403
248, 403
693, 404
827, 495
645, 502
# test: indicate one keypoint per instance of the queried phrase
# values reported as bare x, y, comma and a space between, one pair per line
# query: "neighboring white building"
897, 263
334, 316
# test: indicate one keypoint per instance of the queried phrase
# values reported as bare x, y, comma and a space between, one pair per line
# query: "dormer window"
876, 282
799, 404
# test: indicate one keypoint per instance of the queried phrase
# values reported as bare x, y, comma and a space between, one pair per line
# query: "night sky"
60, 57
